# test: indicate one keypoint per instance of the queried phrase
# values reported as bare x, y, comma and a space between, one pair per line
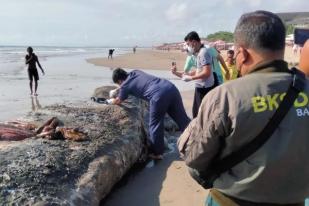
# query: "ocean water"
68, 79
12, 58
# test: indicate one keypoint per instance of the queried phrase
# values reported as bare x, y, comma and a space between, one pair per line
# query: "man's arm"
181, 74
37, 60
116, 101
205, 73
205, 60
178, 74
222, 62
28, 60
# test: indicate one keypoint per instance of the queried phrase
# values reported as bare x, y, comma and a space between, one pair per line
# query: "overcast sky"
123, 22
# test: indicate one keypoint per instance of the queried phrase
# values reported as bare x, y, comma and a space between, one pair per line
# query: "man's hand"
110, 101
113, 93
186, 78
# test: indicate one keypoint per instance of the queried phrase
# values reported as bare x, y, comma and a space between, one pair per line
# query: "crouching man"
235, 113
163, 97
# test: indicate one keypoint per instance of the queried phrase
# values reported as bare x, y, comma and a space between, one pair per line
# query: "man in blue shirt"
163, 97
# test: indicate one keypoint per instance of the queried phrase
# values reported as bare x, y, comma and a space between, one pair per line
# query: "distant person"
235, 113
110, 53
134, 50
31, 59
230, 63
202, 75
163, 97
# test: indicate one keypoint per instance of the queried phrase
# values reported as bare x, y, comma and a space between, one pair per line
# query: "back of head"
193, 35
304, 60
119, 75
261, 31
230, 52
30, 50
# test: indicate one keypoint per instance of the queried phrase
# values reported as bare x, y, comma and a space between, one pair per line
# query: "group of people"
228, 116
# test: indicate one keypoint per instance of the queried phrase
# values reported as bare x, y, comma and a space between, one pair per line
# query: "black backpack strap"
223, 165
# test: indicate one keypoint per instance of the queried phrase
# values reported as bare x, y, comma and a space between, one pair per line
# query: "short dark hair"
193, 35
260, 30
29, 49
119, 74
230, 51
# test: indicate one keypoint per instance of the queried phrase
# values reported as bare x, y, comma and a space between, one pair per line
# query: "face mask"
190, 50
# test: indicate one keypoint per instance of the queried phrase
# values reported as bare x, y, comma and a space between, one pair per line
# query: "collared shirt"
233, 114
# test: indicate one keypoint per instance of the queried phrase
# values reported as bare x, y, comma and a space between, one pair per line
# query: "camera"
301, 35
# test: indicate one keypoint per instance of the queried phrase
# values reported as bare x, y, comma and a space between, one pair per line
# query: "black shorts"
199, 94
33, 74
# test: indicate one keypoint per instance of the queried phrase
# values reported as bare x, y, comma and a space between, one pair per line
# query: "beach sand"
162, 60
143, 59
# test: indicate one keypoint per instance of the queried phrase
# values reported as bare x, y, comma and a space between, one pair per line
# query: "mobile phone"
301, 35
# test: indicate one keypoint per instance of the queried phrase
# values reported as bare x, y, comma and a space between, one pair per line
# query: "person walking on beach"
235, 114
110, 53
203, 75
163, 97
31, 59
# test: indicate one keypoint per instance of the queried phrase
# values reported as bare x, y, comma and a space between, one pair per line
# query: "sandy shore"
143, 59
161, 60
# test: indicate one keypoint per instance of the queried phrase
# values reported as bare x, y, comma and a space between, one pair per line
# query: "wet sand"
167, 183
